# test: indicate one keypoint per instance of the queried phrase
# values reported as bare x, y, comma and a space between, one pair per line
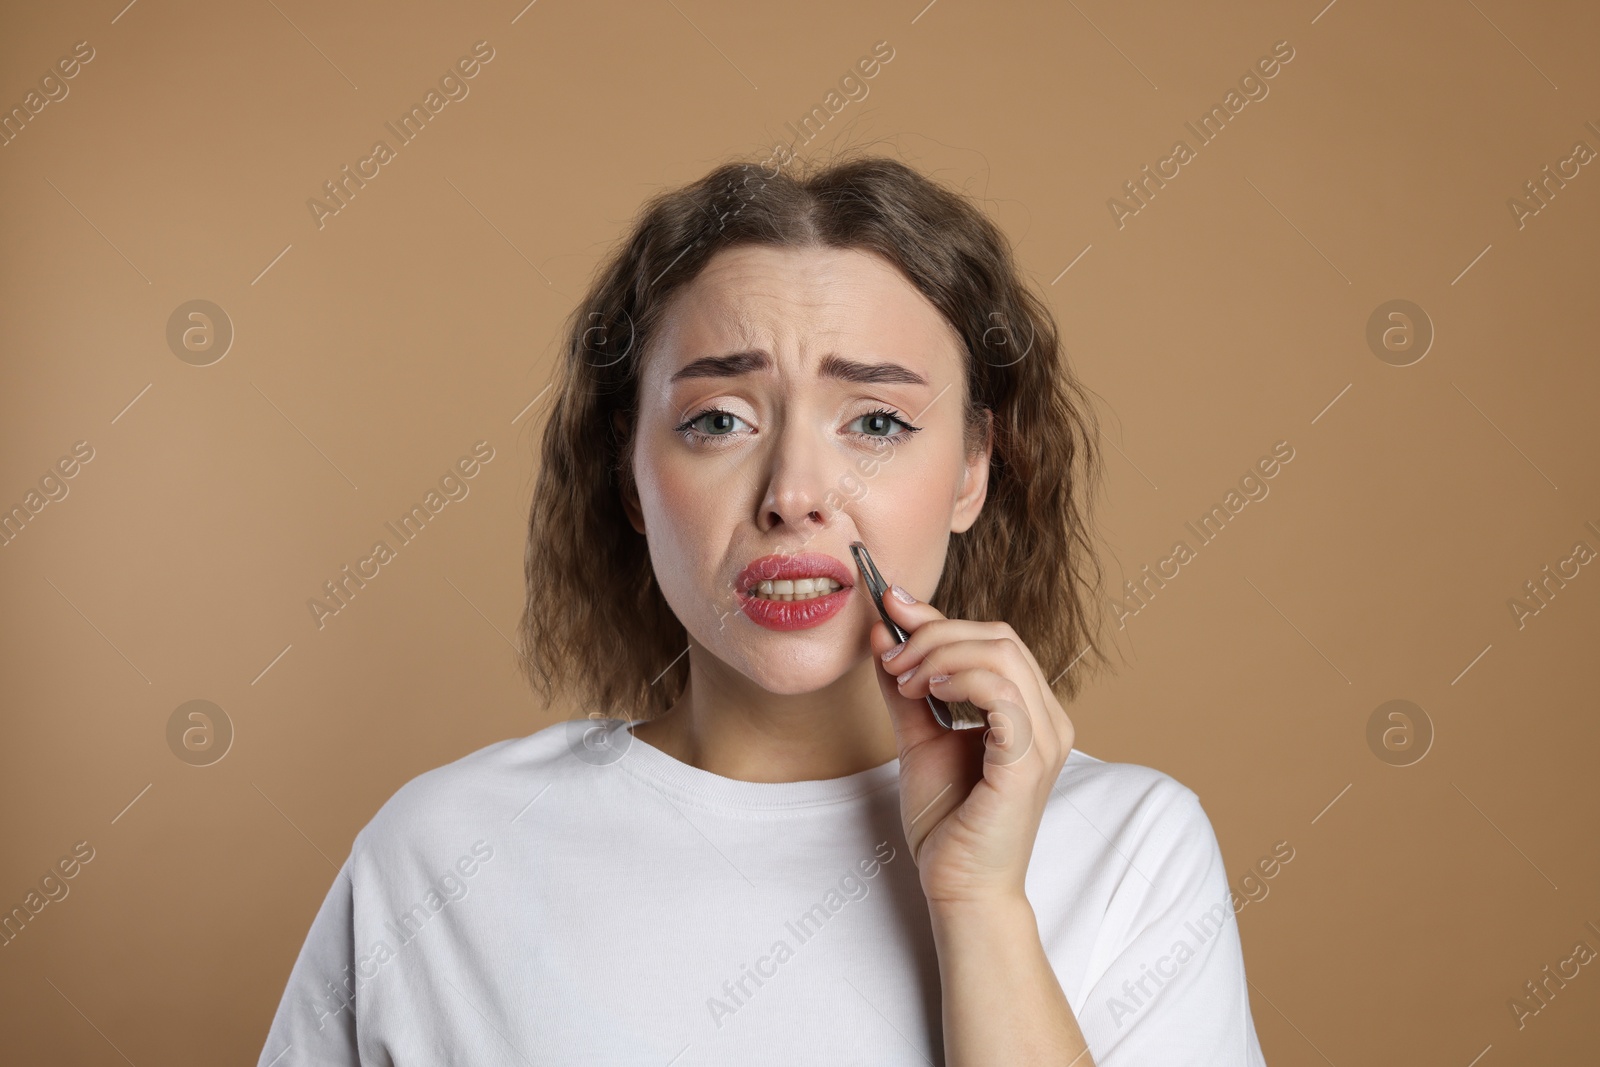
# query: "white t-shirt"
578, 896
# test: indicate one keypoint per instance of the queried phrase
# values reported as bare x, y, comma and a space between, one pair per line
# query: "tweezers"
877, 587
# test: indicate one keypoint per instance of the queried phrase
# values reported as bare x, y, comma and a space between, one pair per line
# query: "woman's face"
773, 429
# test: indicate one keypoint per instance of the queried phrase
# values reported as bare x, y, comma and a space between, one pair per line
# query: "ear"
629, 493
974, 482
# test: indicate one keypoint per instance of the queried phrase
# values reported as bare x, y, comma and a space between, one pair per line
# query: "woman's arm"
971, 810
1002, 1003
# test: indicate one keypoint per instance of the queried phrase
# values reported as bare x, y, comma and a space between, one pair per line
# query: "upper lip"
800, 565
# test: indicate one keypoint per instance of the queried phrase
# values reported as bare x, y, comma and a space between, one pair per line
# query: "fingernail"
893, 652
904, 597
937, 678
908, 674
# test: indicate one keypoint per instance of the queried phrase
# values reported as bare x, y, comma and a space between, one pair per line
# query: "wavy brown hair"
596, 623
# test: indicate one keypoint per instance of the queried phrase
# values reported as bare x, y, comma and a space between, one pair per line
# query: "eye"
711, 423
721, 422
877, 425
885, 420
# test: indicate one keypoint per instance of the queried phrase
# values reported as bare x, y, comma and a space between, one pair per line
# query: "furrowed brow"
868, 373
831, 366
730, 366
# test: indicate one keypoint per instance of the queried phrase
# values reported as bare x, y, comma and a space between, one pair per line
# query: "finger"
1002, 655
1010, 734
912, 719
933, 632
941, 633
910, 614
1023, 728
928, 628
919, 649
937, 634
996, 654
881, 639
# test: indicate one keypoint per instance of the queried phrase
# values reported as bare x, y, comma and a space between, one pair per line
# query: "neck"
726, 724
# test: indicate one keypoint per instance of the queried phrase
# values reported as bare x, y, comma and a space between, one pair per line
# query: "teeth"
796, 588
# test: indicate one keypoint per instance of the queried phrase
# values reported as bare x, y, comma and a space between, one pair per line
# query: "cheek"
668, 491
688, 509
917, 489
910, 509
905, 518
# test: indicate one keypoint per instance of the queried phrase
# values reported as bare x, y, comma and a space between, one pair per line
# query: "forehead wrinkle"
816, 341
745, 305
742, 291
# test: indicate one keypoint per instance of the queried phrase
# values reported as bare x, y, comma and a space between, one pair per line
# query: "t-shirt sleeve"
1173, 991
315, 1025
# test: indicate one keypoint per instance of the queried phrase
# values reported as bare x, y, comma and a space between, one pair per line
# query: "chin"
795, 674
791, 688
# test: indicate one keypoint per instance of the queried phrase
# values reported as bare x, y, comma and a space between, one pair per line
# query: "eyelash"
688, 433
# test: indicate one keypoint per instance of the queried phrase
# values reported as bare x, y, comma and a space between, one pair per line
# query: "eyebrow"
832, 366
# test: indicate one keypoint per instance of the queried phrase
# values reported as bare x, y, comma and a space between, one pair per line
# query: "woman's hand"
970, 800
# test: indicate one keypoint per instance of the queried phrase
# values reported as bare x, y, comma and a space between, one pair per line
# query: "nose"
798, 487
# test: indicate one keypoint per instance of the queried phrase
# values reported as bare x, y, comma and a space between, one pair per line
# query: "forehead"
800, 304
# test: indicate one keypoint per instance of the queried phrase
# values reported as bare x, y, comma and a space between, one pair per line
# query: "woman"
759, 846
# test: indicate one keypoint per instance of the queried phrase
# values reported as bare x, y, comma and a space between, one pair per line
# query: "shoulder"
1134, 820
1136, 841
1127, 797
468, 797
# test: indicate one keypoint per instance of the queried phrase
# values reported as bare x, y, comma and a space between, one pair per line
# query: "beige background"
1229, 314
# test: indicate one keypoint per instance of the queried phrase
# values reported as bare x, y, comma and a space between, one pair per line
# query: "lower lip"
793, 614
